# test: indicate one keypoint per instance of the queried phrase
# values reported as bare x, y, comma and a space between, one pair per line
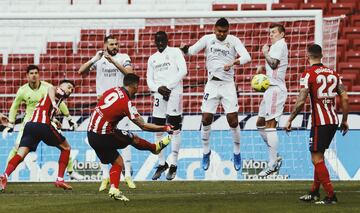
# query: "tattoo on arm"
273, 63
340, 89
299, 105
139, 121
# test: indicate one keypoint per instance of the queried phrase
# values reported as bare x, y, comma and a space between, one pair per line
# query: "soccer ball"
260, 83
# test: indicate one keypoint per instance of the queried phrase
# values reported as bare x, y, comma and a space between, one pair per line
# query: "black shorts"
106, 145
321, 137
35, 132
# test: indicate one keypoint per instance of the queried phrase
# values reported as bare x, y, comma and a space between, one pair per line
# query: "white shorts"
217, 92
124, 124
172, 107
272, 104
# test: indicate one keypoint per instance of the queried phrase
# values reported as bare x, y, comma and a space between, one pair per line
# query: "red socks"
323, 176
63, 161
13, 163
115, 175
316, 184
142, 144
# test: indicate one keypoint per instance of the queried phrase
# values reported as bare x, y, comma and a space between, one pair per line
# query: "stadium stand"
60, 53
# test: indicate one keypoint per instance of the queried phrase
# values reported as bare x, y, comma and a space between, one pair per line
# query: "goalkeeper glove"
7, 130
72, 123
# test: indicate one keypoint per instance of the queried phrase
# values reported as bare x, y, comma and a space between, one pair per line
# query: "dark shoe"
172, 172
160, 169
328, 200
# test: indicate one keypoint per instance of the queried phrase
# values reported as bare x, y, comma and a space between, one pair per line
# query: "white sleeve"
198, 46
150, 77
241, 50
182, 70
276, 52
126, 61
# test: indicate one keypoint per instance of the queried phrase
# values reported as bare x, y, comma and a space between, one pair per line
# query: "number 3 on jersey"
325, 80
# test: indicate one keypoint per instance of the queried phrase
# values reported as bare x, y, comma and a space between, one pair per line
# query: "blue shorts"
35, 132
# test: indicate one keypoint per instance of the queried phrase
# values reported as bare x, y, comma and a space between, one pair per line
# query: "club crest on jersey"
227, 44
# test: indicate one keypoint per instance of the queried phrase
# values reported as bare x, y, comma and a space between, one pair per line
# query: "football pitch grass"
177, 196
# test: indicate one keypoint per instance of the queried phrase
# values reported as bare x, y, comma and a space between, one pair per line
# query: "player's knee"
233, 123
175, 121
206, 120
260, 122
158, 121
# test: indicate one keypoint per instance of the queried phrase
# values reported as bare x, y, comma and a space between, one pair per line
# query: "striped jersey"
322, 83
44, 110
112, 107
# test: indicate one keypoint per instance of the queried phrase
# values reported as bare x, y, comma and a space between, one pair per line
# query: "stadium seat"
92, 34
342, 8
356, 44
224, 7
351, 32
354, 103
253, 6
59, 48
355, 88
316, 5
52, 59
21, 59
355, 20
285, 6
347, 67
352, 56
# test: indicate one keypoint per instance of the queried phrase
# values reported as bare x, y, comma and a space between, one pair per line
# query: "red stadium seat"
342, 8
285, 6
355, 20
351, 32
253, 6
92, 34
352, 56
348, 67
316, 5
291, 1
355, 88
224, 7
59, 48
356, 44
123, 34
354, 103
21, 59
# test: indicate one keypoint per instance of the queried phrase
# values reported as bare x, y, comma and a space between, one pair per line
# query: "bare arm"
139, 121
85, 68
273, 62
299, 105
344, 101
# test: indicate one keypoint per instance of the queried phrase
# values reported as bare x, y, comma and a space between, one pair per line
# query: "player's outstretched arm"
122, 68
273, 62
139, 121
344, 101
299, 105
85, 68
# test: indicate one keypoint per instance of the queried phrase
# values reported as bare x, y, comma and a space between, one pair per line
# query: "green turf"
163, 197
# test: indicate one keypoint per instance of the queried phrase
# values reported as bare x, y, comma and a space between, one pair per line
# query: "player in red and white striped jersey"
323, 84
105, 138
39, 129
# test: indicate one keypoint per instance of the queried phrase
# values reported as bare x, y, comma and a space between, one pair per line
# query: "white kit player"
165, 72
221, 51
274, 98
111, 67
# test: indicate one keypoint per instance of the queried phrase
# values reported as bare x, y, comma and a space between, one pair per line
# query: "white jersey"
108, 75
280, 52
166, 69
219, 53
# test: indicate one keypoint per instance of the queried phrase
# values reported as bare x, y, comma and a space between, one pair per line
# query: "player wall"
342, 157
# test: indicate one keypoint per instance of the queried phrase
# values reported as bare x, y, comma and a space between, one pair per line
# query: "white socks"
262, 133
273, 144
105, 170
235, 132
175, 146
126, 154
205, 135
158, 137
